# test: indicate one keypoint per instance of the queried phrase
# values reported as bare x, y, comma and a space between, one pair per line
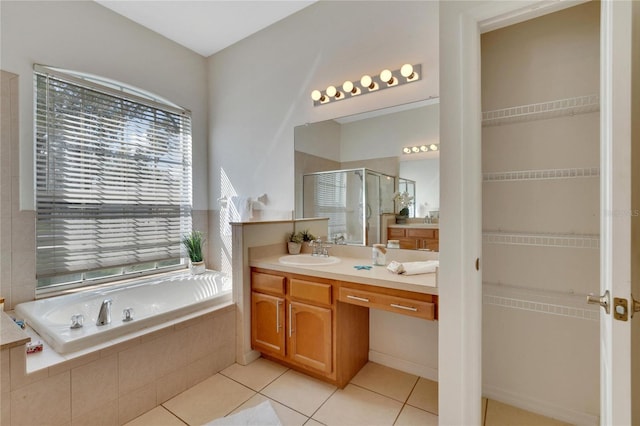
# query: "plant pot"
401, 218
294, 248
197, 268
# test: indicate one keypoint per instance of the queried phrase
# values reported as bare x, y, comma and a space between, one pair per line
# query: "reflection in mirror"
373, 141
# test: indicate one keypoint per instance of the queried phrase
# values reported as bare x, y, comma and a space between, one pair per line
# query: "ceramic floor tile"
501, 414
357, 406
412, 416
298, 391
425, 396
312, 422
287, 416
159, 416
215, 397
386, 381
256, 375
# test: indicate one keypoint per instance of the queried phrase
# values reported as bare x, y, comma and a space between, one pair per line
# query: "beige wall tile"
19, 377
137, 402
51, 397
136, 367
73, 363
104, 415
119, 347
94, 384
23, 270
171, 385
5, 370
200, 370
23, 235
5, 408
201, 340
22, 293
170, 353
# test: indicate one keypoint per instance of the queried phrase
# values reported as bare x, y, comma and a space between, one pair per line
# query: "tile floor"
377, 395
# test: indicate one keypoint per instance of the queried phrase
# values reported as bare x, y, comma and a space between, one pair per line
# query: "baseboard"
404, 365
544, 408
247, 357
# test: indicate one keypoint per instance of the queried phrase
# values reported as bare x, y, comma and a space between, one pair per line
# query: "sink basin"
308, 260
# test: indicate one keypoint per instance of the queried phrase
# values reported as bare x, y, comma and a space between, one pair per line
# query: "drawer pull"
406, 308
278, 317
361, 299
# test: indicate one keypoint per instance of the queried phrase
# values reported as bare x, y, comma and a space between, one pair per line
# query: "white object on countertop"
413, 268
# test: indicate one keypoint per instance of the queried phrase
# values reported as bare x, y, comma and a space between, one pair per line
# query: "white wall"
386, 135
87, 37
427, 172
259, 90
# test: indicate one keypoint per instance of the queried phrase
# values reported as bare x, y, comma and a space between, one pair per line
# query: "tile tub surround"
116, 384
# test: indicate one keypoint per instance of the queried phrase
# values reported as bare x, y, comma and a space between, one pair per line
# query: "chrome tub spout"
104, 316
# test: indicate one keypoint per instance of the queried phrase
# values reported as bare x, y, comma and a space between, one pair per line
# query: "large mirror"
349, 168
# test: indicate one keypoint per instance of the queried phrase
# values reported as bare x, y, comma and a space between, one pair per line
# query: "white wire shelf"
586, 241
539, 300
546, 174
542, 110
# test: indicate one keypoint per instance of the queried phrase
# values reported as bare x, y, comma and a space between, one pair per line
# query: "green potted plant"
294, 242
307, 236
403, 201
193, 244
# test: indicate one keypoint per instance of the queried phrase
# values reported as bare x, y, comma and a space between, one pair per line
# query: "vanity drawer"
400, 305
310, 291
395, 233
421, 233
267, 283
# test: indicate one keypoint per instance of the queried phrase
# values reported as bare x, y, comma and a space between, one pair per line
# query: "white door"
459, 366
620, 189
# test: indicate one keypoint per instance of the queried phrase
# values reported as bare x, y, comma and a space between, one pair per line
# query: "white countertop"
345, 271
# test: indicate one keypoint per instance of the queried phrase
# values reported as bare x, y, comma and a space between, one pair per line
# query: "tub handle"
127, 314
77, 321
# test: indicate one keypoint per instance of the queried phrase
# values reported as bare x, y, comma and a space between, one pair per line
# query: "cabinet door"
310, 336
267, 324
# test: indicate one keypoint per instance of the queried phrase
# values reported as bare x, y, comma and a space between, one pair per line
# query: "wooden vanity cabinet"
415, 238
297, 321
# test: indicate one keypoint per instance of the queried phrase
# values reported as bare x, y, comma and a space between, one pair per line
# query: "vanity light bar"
406, 74
421, 148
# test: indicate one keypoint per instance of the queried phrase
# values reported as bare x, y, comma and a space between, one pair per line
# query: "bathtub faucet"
104, 316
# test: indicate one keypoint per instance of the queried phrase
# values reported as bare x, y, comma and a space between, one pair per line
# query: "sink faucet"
319, 249
104, 316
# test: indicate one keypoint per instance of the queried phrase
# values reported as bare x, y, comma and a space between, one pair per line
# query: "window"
113, 180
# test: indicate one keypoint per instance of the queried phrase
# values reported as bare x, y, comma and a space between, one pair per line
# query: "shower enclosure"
354, 200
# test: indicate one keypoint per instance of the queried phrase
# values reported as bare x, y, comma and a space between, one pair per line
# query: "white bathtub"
154, 301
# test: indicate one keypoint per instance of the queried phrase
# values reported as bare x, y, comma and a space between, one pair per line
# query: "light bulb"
348, 87
407, 72
406, 150
415, 149
433, 147
316, 95
387, 77
424, 148
367, 81
332, 92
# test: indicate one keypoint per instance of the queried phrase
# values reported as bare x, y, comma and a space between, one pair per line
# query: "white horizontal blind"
329, 199
113, 178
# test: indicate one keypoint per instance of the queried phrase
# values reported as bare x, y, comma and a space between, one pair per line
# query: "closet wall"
540, 159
